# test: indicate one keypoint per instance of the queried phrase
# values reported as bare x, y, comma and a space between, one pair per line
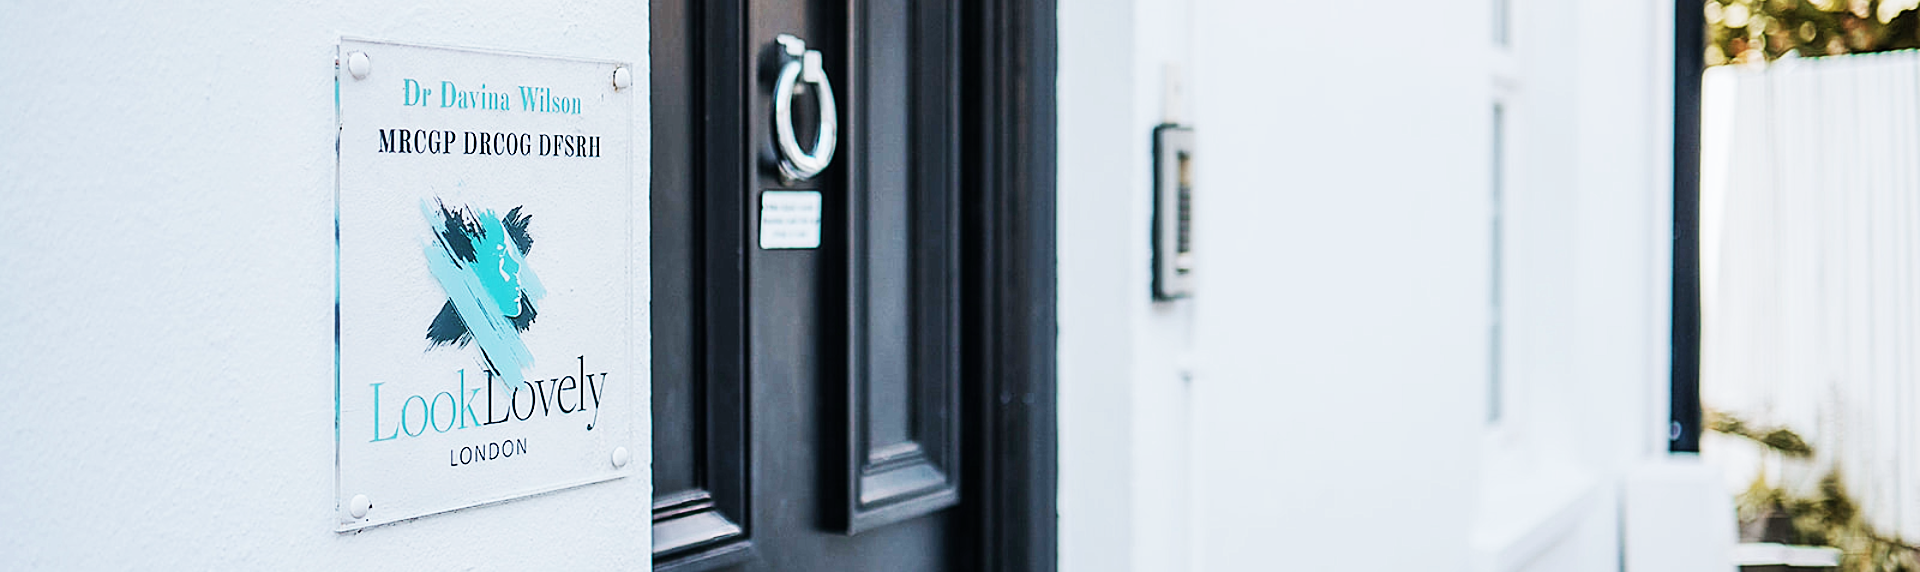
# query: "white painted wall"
1335, 413
1126, 492
166, 282
1341, 301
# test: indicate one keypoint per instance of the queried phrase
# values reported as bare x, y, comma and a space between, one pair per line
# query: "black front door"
809, 392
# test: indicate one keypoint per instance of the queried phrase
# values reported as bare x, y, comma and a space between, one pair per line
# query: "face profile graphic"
498, 271
479, 259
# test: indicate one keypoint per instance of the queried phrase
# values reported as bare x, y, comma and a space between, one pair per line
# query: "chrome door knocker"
801, 64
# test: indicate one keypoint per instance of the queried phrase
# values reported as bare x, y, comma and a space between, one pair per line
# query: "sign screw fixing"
620, 457
359, 65
622, 78
359, 506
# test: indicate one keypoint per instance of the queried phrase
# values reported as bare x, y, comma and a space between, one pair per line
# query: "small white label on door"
789, 219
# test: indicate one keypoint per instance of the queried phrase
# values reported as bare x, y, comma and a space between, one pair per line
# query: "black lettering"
546, 404
567, 383
386, 140
515, 404
596, 388
503, 416
596, 393
581, 400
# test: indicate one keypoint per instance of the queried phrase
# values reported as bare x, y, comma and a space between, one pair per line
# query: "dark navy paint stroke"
449, 329
516, 224
527, 314
457, 231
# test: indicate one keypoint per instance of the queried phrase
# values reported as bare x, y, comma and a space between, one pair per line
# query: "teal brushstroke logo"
479, 258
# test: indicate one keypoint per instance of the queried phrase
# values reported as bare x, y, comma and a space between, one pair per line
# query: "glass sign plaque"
486, 251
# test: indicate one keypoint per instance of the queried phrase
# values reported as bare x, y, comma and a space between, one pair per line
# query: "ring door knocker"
801, 64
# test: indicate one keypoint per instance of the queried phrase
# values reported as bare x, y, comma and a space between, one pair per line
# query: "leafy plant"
1825, 516
1752, 31
1779, 439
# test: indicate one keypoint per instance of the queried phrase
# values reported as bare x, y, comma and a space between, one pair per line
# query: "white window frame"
1505, 97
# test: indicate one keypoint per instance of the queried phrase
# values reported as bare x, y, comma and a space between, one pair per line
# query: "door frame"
1010, 464
1689, 63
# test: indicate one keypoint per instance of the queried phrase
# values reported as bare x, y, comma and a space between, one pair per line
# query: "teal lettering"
376, 417
526, 98
424, 414
433, 410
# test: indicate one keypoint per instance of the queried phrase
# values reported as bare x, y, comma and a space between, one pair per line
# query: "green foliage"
1752, 31
1824, 516
1780, 439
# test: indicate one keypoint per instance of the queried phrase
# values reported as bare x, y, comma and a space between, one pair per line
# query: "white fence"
1810, 229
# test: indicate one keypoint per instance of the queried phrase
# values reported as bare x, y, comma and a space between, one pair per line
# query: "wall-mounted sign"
485, 241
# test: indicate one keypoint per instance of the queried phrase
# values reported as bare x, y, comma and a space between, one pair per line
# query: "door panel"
901, 442
806, 401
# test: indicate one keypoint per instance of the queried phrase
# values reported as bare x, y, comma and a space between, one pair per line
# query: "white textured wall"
1338, 341
1341, 306
1101, 296
1126, 493
166, 281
